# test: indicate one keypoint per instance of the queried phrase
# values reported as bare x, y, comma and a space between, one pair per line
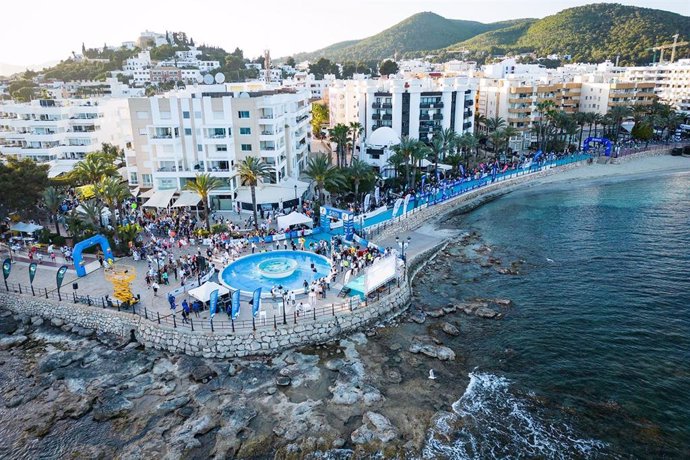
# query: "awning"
160, 199
57, 169
203, 292
23, 227
86, 191
294, 218
135, 191
148, 193
187, 199
273, 193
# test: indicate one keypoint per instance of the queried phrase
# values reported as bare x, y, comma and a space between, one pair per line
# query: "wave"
488, 421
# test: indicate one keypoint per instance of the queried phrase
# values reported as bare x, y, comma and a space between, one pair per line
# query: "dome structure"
383, 136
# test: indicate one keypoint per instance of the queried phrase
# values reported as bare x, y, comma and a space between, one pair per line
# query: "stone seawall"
263, 341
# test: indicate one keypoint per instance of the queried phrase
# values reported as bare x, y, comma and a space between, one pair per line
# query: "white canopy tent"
273, 193
148, 193
160, 199
429, 164
23, 227
294, 218
187, 199
204, 291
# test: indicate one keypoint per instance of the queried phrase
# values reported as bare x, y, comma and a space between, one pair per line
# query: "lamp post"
403, 244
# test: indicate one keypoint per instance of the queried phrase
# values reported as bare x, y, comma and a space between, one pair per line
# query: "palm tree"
495, 123
508, 133
325, 175
448, 139
356, 130
617, 114
436, 150
92, 168
359, 171
52, 199
469, 142
581, 118
406, 148
89, 213
597, 119
396, 160
203, 184
112, 191
251, 171
497, 139
340, 135
420, 152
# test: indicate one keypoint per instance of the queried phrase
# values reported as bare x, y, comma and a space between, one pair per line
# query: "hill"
589, 33
420, 32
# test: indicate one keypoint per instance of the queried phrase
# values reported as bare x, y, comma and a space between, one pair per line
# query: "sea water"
593, 359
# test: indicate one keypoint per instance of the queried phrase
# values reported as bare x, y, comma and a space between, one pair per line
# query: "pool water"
288, 269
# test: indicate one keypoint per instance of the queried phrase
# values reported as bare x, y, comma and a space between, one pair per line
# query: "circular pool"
288, 269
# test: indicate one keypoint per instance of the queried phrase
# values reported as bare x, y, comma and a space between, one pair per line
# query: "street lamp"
403, 244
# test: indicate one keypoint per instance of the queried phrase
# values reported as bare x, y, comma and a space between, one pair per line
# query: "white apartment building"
672, 82
317, 88
212, 128
390, 109
62, 130
148, 36
139, 68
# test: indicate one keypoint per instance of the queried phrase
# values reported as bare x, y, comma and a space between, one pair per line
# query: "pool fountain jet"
276, 268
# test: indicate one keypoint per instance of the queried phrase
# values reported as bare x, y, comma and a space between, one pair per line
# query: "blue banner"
235, 304
213, 300
33, 266
256, 302
60, 275
6, 267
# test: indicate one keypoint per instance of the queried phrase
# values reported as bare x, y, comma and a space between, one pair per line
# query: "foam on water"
489, 421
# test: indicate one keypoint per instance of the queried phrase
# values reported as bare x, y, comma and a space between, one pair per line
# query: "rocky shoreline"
367, 393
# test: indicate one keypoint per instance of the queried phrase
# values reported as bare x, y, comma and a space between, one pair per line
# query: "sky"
50, 30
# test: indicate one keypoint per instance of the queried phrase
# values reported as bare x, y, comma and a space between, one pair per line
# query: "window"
147, 179
133, 178
199, 148
188, 131
246, 147
142, 131
142, 115
197, 114
245, 131
221, 148
243, 113
185, 114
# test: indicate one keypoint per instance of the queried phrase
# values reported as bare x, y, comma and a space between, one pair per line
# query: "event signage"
256, 301
60, 276
32, 271
6, 267
213, 300
235, 304
406, 203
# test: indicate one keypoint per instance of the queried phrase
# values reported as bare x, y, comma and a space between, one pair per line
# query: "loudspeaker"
75, 286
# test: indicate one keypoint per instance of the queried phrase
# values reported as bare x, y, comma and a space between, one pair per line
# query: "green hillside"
603, 31
496, 41
589, 33
423, 31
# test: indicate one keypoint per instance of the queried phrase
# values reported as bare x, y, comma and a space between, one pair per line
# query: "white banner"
379, 273
407, 202
396, 206
377, 195
367, 202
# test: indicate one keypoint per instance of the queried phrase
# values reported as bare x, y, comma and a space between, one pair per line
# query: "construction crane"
673, 47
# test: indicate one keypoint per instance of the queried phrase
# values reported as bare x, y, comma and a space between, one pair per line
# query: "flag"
235, 304
406, 202
32, 271
256, 302
377, 195
6, 267
213, 300
60, 275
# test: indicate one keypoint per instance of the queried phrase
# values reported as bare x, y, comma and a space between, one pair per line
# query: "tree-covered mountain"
588, 33
422, 31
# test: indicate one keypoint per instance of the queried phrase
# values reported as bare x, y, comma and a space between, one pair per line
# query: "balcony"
425, 117
387, 105
376, 105
438, 116
431, 105
469, 102
375, 116
387, 116
467, 114
466, 125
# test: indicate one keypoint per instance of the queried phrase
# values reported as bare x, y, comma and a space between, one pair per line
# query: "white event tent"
294, 218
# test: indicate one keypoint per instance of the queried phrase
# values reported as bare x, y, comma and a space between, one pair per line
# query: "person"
196, 306
185, 306
100, 260
155, 287
306, 287
185, 316
292, 297
165, 278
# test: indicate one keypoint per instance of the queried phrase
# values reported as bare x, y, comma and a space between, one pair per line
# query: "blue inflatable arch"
87, 243
598, 140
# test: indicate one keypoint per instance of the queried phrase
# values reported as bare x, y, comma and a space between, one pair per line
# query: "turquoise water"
246, 274
593, 359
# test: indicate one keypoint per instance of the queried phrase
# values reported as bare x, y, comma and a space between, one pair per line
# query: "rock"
503, 302
450, 308
450, 329
283, 380
202, 373
8, 325
14, 402
338, 443
57, 322
376, 427
436, 313
334, 364
186, 435
12, 341
394, 376
173, 404
36, 321
395, 347
418, 316
425, 346
271, 390
232, 370
111, 404
485, 312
